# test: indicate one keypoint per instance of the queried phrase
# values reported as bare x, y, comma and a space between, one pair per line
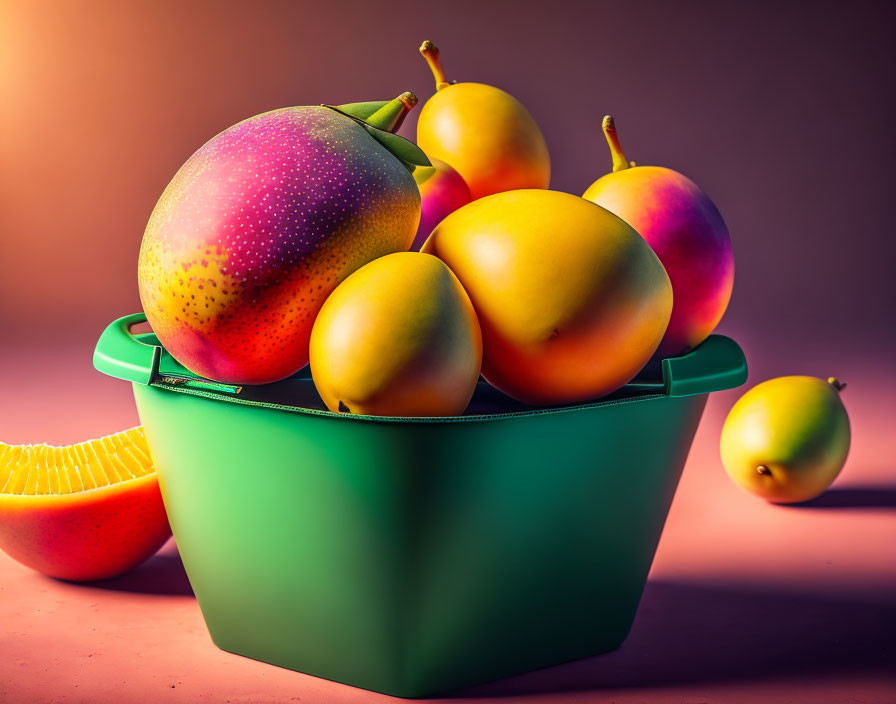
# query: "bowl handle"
118, 353
716, 364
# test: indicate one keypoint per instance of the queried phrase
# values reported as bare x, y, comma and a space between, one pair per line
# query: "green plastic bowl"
413, 556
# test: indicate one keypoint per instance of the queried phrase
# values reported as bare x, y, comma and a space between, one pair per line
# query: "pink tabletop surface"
746, 601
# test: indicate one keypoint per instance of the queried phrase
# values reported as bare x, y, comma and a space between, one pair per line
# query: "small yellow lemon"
786, 439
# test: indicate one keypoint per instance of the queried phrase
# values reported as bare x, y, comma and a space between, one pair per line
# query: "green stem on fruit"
619, 160
839, 385
431, 53
389, 117
762, 469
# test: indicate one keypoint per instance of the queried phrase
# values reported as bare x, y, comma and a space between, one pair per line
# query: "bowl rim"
717, 363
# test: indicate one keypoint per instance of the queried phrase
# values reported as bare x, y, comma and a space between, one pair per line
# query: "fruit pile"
285, 239
402, 272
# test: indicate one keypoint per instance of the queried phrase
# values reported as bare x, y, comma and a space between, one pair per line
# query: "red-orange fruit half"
81, 512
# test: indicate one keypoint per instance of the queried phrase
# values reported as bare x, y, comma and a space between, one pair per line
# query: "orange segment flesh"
87, 478
70, 458
20, 471
11, 455
64, 478
30, 470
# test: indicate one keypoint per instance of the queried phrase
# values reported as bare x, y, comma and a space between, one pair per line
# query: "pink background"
784, 114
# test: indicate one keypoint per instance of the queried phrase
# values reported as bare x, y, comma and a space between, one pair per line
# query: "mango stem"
431, 53
839, 385
762, 469
392, 114
619, 160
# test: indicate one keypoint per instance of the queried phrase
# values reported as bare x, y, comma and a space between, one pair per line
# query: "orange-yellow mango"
486, 134
571, 300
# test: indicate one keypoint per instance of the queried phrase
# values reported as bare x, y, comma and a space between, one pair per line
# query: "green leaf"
403, 149
359, 111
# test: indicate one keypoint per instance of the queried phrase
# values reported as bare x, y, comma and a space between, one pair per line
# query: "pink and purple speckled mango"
257, 228
686, 230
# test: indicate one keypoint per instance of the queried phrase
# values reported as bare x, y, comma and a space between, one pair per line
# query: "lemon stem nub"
762, 469
619, 160
839, 385
431, 53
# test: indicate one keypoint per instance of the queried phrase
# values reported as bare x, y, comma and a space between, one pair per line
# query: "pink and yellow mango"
257, 228
685, 229
442, 191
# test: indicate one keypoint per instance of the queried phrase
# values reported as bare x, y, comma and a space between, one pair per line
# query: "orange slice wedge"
86, 511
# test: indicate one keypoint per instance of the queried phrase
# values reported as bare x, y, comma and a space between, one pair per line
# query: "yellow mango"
398, 337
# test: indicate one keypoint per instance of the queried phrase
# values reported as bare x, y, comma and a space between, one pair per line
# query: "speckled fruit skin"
398, 337
487, 135
93, 534
442, 191
257, 228
571, 301
685, 229
795, 427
